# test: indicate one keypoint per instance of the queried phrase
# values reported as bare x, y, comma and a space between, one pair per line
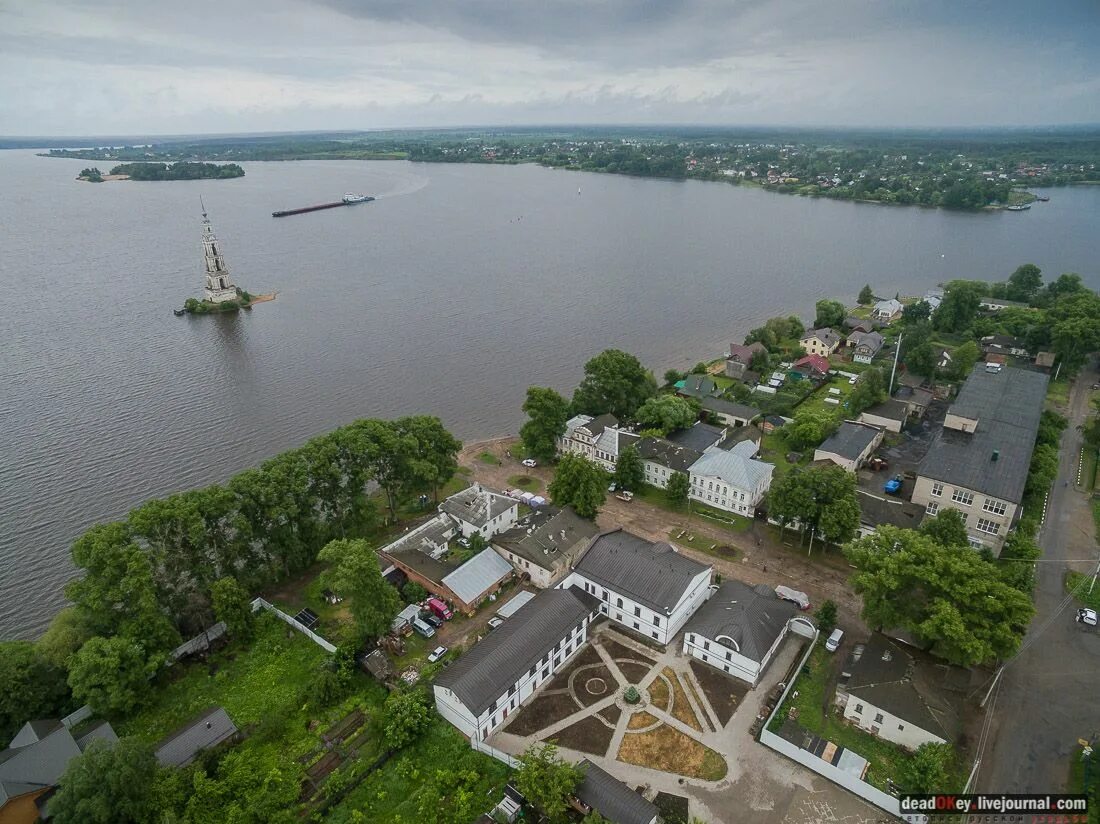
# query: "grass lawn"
489, 458
1077, 579
726, 520
1088, 469
526, 482
884, 759
774, 449
816, 401
394, 793
265, 678
669, 750
1058, 393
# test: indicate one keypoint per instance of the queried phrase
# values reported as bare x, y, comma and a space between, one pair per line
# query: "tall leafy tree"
829, 313
547, 413
963, 359
579, 483
547, 781
435, 454
826, 618
870, 390
958, 309
253, 787
355, 574
955, 601
866, 295
450, 796
405, 716
1025, 283
232, 605
667, 413
810, 427
108, 784
33, 687
917, 312
388, 455
821, 499
948, 528
922, 360
629, 469
930, 770
66, 634
616, 382
679, 485
110, 675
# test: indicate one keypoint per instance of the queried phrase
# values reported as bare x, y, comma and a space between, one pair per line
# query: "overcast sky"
165, 66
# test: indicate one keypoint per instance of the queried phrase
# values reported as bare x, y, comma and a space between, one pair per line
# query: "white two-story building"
599, 439
646, 587
731, 479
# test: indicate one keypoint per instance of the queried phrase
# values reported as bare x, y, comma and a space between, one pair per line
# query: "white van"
834, 640
423, 628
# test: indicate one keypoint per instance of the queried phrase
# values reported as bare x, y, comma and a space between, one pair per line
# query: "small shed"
208, 730
378, 665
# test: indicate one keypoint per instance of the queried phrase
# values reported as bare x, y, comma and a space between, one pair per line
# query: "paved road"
1048, 696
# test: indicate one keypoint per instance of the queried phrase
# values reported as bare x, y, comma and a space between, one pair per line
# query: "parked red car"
440, 609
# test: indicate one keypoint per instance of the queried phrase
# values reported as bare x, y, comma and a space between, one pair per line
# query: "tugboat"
1042, 198
350, 198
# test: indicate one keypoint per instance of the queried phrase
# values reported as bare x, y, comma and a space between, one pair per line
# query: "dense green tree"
819, 499
866, 296
759, 363
673, 375
1024, 283
1066, 284
963, 359
405, 716
34, 687
870, 390
948, 528
829, 313
450, 796
810, 427
629, 469
435, 454
547, 781
579, 483
547, 412
762, 334
917, 312
354, 572
922, 360
958, 309
110, 675
614, 382
1016, 562
955, 601
826, 618
117, 594
109, 783
931, 769
66, 634
413, 593
258, 786
678, 487
233, 606
667, 413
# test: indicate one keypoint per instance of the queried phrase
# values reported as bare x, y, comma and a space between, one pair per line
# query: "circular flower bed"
631, 696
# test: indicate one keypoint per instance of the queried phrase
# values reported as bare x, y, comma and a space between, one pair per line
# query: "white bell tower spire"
219, 285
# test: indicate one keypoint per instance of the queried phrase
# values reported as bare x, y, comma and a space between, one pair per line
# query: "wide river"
459, 287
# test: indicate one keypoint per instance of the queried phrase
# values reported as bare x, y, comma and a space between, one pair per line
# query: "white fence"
260, 603
852, 783
499, 755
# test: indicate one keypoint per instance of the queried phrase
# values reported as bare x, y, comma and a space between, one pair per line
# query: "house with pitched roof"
697, 386
821, 342
730, 413
601, 792
740, 358
598, 439
210, 729
887, 311
894, 695
501, 672
34, 761
813, 367
647, 587
544, 543
865, 346
661, 459
740, 628
851, 445
731, 479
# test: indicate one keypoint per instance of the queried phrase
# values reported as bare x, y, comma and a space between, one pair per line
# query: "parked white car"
437, 653
1086, 616
531, 462
834, 640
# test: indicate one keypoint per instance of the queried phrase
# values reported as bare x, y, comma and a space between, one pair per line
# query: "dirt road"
761, 557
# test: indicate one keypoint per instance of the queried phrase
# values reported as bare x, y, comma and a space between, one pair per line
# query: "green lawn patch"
774, 449
526, 482
884, 759
816, 401
489, 458
1077, 584
701, 543
263, 678
397, 791
1058, 393
726, 520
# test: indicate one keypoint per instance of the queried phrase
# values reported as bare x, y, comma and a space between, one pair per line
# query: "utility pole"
1095, 572
897, 351
996, 678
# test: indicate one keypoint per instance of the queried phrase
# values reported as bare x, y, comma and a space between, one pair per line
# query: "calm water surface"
451, 294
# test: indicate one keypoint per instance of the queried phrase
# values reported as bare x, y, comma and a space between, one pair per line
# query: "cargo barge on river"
347, 200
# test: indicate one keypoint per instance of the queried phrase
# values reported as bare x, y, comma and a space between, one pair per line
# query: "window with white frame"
932, 508
937, 490
962, 496
992, 527
995, 506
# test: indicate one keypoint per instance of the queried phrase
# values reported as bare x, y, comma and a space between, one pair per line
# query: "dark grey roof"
698, 386
477, 505
653, 574
914, 395
891, 408
40, 761
888, 677
100, 732
666, 453
1003, 342
498, 660
208, 730
611, 798
725, 407
600, 423
538, 538
850, 440
872, 339
698, 436
826, 335
753, 617
1008, 406
876, 511
414, 549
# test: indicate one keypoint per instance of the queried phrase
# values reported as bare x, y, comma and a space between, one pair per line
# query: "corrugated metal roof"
611, 798
512, 607
734, 466
477, 576
850, 440
208, 730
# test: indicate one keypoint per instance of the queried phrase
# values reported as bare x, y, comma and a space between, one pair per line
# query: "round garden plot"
592, 683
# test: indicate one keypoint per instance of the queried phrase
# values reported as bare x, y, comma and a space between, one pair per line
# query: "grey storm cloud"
71, 66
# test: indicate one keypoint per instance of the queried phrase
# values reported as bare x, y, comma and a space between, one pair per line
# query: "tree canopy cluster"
816, 499
579, 483
178, 171
616, 382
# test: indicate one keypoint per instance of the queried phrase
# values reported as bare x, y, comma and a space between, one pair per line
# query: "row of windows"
992, 527
592, 588
966, 498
